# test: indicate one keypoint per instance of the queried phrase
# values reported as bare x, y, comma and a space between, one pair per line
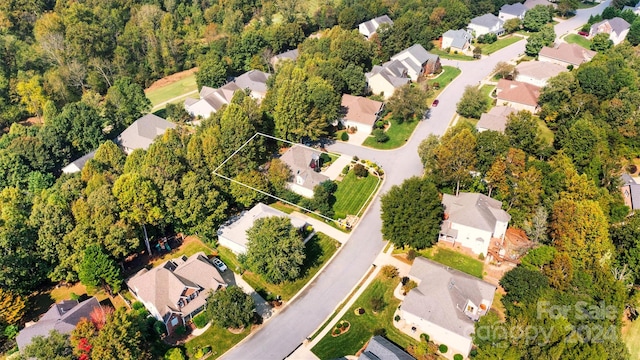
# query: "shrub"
325, 158
473, 353
408, 286
359, 311
344, 136
379, 124
346, 169
455, 52
380, 135
201, 320
380, 332
632, 169
481, 256
436, 85
389, 271
457, 357
174, 354
377, 303
345, 325
397, 318
336, 331
159, 327
411, 255
360, 170
180, 330
76, 297
424, 337
199, 353
137, 305
443, 348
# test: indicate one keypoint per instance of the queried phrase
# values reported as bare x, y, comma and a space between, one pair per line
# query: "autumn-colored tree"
12, 307
559, 271
455, 157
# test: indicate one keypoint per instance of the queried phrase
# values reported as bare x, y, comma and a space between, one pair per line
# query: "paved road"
286, 331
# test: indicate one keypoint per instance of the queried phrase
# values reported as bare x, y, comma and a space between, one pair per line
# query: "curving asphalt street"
281, 335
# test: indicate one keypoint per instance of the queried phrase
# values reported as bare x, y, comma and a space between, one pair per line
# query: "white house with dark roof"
418, 61
369, 27
384, 80
379, 348
459, 40
617, 28
537, 72
77, 164
485, 24
530, 4
472, 220
212, 100
305, 165
446, 304
142, 133
360, 112
495, 119
177, 290
634, 9
512, 11
61, 317
233, 233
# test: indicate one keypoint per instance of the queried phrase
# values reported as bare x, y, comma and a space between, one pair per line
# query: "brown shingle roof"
569, 53
361, 109
518, 92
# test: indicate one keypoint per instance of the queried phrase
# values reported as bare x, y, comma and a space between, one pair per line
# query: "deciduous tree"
54, 346
455, 157
231, 307
98, 269
472, 103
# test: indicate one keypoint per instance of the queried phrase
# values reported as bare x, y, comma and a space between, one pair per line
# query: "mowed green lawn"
500, 44
398, 134
455, 260
448, 74
631, 337
363, 326
220, 340
352, 194
579, 40
180, 88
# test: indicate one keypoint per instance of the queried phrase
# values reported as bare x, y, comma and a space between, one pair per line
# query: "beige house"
446, 304
305, 165
177, 290
566, 54
486, 24
472, 220
456, 40
233, 233
360, 112
142, 133
617, 28
496, 119
368, 28
518, 95
537, 72
384, 80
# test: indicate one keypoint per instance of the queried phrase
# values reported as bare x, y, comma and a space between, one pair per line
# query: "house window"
174, 321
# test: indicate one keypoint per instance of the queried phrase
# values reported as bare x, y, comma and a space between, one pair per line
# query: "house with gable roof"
495, 119
77, 164
634, 9
177, 290
512, 11
518, 95
566, 54
360, 112
142, 133
485, 24
630, 190
459, 40
61, 317
379, 348
384, 80
369, 27
530, 4
291, 55
233, 233
617, 28
418, 61
446, 304
537, 72
472, 220
305, 165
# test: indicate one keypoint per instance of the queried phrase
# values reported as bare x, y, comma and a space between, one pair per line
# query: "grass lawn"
455, 260
545, 133
451, 56
631, 337
448, 74
352, 194
318, 250
579, 40
363, 326
500, 44
179, 88
398, 133
190, 246
218, 338
471, 121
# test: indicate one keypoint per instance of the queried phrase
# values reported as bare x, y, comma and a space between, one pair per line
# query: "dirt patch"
168, 80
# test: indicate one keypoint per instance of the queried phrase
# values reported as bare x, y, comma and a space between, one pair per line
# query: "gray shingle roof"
486, 20
373, 24
618, 25
288, 55
474, 210
142, 133
516, 9
61, 317
254, 80
379, 348
298, 159
442, 293
634, 190
77, 164
460, 37
418, 52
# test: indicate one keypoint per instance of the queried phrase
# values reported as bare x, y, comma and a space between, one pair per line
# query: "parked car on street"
583, 33
435, 103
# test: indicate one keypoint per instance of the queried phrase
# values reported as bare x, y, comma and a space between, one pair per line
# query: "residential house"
305, 165
379, 348
485, 24
530, 4
291, 55
456, 40
418, 61
233, 233
518, 95
360, 112
512, 11
566, 54
368, 28
617, 28
537, 72
472, 220
630, 190
496, 119
212, 100
634, 9
142, 133
446, 304
384, 80
77, 164
61, 317
177, 290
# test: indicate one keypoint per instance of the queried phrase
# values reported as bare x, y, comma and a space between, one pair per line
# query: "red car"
583, 33
435, 103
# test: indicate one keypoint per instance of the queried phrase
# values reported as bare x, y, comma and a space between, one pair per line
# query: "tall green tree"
121, 337
55, 346
231, 307
407, 102
212, 72
126, 102
536, 18
455, 157
412, 213
472, 103
98, 269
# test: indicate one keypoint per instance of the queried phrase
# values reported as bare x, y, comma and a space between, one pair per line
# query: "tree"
32, 95
538, 40
536, 229
55, 346
275, 249
512, 25
411, 213
522, 132
12, 307
455, 157
121, 337
634, 32
98, 269
279, 174
426, 151
523, 285
566, 7
536, 18
504, 69
601, 42
323, 198
231, 307
407, 102
126, 102
212, 72
472, 103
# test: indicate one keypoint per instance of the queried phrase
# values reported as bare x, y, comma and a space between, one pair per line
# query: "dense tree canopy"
231, 307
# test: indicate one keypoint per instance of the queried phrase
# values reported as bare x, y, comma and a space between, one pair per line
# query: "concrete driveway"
335, 169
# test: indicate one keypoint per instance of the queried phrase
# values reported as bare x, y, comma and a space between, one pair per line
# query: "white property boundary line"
215, 172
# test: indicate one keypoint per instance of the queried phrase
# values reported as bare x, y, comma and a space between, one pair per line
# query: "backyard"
173, 88
353, 193
451, 258
363, 326
631, 337
499, 44
579, 40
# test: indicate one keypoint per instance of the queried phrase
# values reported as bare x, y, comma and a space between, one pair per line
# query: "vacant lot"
172, 88
352, 194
